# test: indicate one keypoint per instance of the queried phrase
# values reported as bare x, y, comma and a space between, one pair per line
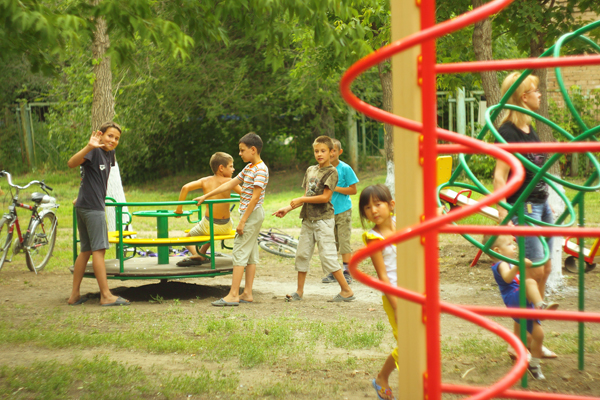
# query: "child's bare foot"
231, 299
244, 298
77, 300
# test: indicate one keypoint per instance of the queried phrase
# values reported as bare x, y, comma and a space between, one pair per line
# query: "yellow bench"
165, 241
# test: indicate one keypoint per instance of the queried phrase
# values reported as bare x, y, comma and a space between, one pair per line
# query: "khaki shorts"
220, 227
245, 247
321, 233
343, 231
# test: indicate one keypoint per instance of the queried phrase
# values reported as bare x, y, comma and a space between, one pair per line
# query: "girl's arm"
377, 260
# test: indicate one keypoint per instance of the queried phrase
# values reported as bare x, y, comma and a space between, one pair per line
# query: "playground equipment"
163, 267
430, 385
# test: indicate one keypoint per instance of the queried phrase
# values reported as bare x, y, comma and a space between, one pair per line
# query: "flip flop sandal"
547, 353
120, 302
191, 262
293, 297
381, 391
339, 298
223, 303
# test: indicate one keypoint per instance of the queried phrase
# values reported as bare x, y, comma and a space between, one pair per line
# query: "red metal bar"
524, 63
429, 152
576, 147
514, 394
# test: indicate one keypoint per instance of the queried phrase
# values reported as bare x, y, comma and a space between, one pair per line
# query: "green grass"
226, 336
100, 377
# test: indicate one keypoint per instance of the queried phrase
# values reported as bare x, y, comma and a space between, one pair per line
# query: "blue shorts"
534, 249
512, 301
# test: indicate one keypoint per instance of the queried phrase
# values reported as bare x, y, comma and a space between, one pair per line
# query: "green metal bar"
522, 285
162, 232
130, 278
212, 236
120, 246
581, 278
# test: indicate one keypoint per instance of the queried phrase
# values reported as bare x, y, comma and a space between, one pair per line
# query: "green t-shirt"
314, 183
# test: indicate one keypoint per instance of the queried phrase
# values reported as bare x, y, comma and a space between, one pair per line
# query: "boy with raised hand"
318, 221
96, 159
222, 167
342, 207
253, 178
507, 278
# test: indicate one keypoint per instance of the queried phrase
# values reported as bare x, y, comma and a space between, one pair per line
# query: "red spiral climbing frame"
433, 225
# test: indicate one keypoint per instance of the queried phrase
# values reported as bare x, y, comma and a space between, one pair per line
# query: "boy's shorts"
512, 301
343, 231
534, 249
220, 227
245, 247
318, 232
93, 232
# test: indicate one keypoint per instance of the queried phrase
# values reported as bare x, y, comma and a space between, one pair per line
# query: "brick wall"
586, 77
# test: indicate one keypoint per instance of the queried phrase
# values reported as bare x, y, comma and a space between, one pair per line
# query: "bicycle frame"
25, 238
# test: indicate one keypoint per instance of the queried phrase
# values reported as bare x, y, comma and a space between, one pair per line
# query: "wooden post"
26, 136
409, 204
352, 139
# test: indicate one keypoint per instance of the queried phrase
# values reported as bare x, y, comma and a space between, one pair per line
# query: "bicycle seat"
41, 198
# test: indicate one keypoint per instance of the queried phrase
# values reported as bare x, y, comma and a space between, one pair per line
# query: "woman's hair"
518, 118
376, 192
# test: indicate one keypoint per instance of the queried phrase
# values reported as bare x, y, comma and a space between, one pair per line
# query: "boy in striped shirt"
253, 179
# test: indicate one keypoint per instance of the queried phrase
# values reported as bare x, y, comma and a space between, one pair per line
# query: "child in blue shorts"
507, 278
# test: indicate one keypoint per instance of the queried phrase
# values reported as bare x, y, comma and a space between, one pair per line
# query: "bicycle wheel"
278, 248
5, 240
284, 238
41, 242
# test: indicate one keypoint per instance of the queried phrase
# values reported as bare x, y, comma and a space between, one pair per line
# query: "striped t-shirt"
251, 176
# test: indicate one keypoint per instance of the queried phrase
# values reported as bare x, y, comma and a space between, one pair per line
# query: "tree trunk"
326, 124
103, 110
482, 46
103, 104
537, 48
385, 76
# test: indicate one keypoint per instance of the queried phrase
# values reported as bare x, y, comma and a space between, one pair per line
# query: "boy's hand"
240, 228
200, 199
282, 212
296, 202
528, 263
95, 140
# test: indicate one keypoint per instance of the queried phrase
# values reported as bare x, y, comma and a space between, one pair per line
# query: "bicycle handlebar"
10, 183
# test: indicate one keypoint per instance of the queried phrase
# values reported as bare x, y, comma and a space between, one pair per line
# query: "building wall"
586, 78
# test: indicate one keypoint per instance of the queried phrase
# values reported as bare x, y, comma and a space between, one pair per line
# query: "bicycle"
280, 243
38, 241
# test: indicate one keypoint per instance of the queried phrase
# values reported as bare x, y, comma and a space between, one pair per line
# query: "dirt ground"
275, 277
